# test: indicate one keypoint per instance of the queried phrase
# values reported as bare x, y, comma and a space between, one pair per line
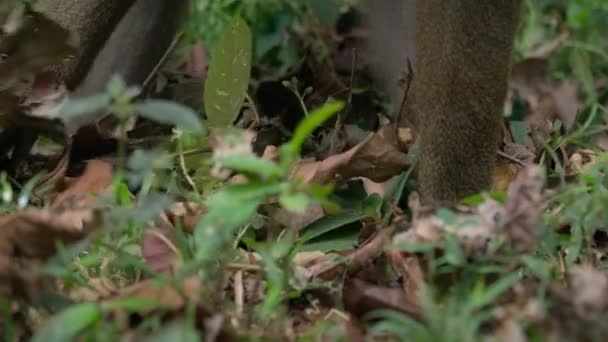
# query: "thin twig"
162, 59
511, 158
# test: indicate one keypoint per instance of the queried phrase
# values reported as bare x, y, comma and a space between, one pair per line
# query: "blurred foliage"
270, 22
584, 56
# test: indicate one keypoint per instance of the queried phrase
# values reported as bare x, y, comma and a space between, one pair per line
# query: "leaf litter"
387, 265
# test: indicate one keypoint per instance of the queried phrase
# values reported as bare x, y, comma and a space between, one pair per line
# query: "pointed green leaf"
69, 323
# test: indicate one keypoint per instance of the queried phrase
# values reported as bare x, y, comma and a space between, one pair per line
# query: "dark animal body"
461, 52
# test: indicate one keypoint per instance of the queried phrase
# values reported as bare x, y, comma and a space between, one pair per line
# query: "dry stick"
245, 267
406, 91
163, 59
511, 158
239, 292
353, 67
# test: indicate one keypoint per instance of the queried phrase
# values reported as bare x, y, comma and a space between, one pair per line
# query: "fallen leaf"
95, 180
361, 297
355, 259
377, 158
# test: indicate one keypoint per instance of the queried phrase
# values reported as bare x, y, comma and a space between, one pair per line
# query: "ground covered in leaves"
300, 221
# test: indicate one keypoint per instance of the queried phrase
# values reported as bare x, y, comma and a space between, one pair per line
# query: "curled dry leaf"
164, 296
95, 180
355, 259
361, 297
28, 237
411, 273
377, 158
522, 211
158, 248
159, 251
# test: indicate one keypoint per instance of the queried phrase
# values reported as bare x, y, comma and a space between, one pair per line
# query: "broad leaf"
228, 75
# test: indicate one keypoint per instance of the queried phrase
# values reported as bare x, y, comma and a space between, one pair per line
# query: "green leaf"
80, 107
519, 130
333, 241
247, 163
312, 122
329, 223
219, 225
326, 11
234, 195
169, 113
538, 267
447, 216
296, 202
491, 294
176, 332
453, 252
372, 205
69, 323
132, 304
228, 76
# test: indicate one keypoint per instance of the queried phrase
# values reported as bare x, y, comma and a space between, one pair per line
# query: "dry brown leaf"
158, 248
356, 259
361, 297
186, 214
95, 180
27, 239
377, 158
165, 296
411, 272
159, 251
